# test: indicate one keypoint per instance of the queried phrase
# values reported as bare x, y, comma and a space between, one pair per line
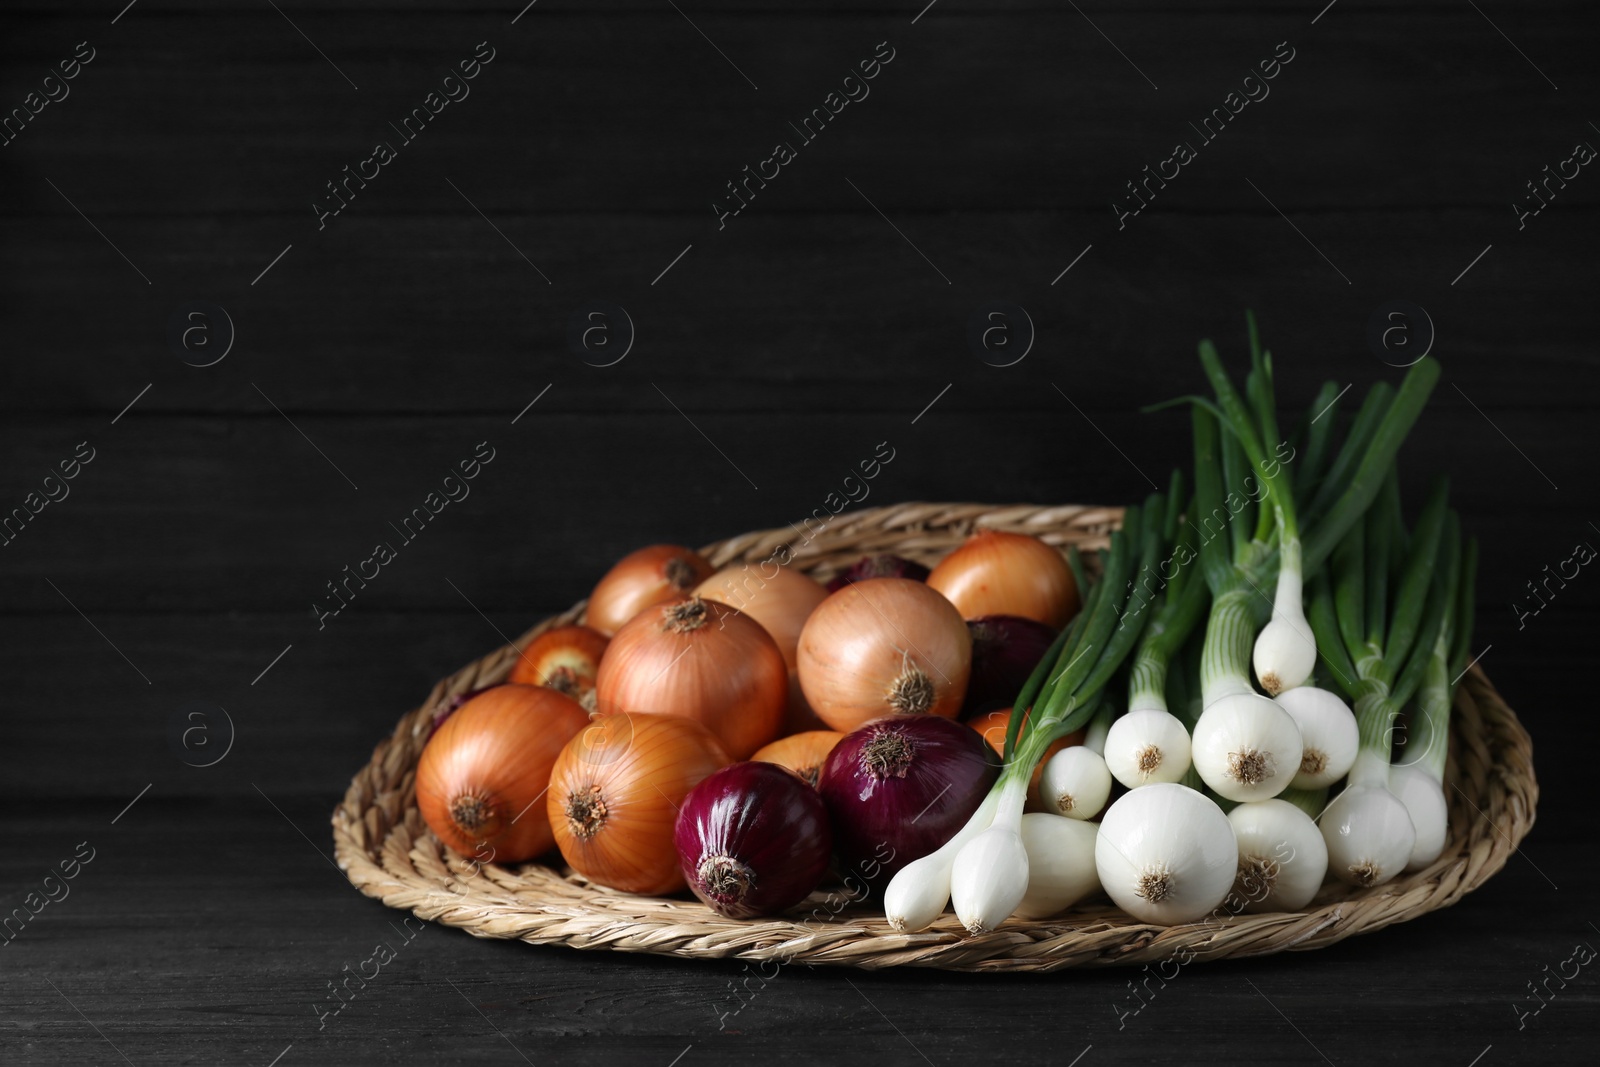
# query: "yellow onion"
701, 660
642, 579
781, 603
565, 659
802, 753
615, 792
999, 573
481, 774
885, 646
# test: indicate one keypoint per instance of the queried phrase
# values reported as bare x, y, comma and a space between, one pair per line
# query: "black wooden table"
272, 270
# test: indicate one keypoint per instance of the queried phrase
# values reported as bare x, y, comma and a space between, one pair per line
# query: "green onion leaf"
1380, 455
1330, 646
1349, 591
1411, 597
1371, 413
1466, 605
1322, 418
1436, 616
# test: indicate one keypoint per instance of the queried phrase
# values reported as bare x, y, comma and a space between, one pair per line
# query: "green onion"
1373, 610
1149, 744
1369, 829
1418, 780
1244, 746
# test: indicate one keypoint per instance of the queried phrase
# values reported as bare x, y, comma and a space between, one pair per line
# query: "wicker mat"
388, 853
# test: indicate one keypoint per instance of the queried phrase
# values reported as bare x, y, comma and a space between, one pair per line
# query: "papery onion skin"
615, 793
701, 660
566, 659
450, 705
901, 786
641, 579
883, 566
753, 839
781, 603
1000, 573
884, 646
1005, 650
481, 774
802, 753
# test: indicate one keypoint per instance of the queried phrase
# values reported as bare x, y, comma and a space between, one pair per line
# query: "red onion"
753, 839
1005, 650
901, 786
879, 567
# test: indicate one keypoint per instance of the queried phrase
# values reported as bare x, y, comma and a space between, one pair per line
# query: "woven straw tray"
388, 853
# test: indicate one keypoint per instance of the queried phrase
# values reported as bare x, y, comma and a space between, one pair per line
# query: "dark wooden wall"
380, 349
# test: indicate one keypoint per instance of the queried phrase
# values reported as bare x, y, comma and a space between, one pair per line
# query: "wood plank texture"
377, 347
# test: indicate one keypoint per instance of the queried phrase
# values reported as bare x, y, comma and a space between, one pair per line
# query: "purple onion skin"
753, 839
901, 786
879, 567
1005, 650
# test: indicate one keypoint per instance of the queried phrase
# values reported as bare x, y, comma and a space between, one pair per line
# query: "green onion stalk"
1378, 649
983, 869
1245, 746
1418, 778
1150, 744
1183, 696
1430, 720
1285, 651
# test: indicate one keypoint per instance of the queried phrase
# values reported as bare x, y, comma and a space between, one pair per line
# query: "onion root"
586, 812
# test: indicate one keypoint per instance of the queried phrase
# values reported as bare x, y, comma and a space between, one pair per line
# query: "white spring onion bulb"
1145, 746
918, 892
1075, 783
1061, 869
1367, 828
1246, 747
1166, 854
1425, 802
989, 878
1282, 857
1285, 651
1328, 734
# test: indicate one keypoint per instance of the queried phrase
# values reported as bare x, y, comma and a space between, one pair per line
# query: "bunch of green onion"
1232, 735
